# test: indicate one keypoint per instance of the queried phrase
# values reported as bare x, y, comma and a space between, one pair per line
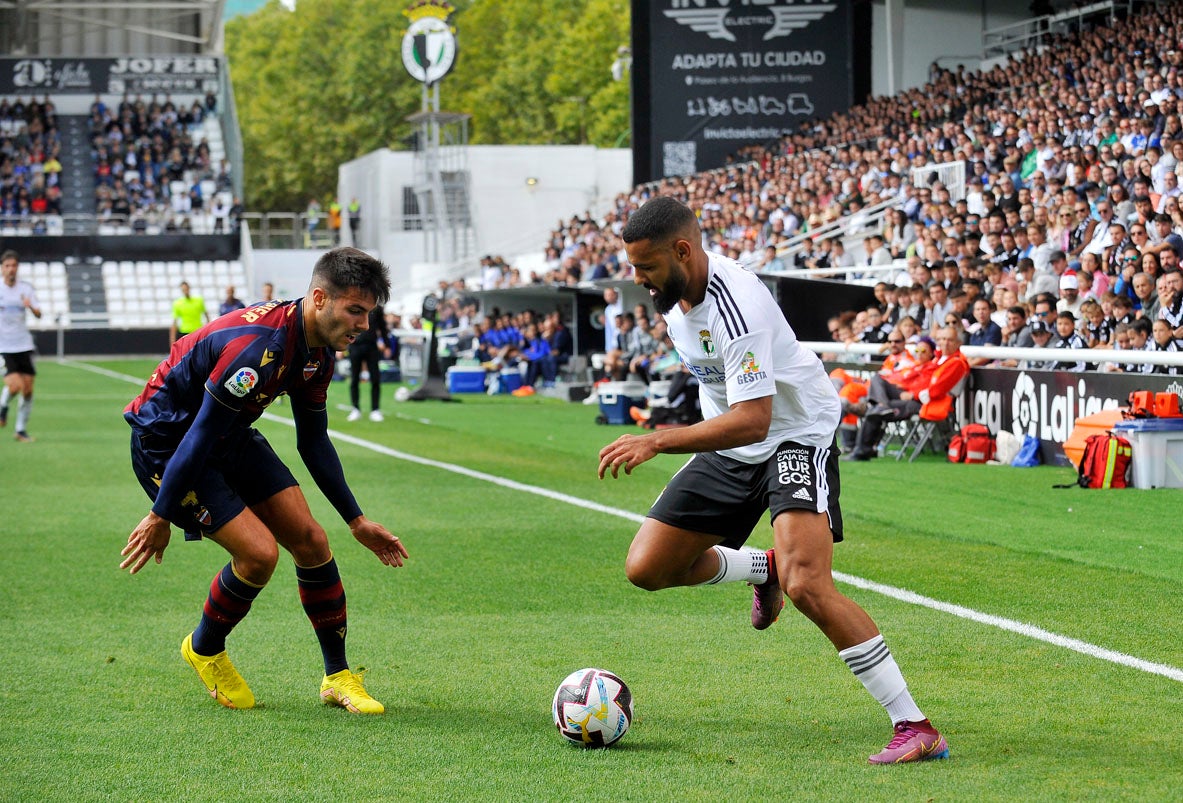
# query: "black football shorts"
242, 470
724, 497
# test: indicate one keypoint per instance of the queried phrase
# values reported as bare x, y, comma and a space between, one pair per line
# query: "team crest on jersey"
203, 517
310, 369
708, 345
243, 381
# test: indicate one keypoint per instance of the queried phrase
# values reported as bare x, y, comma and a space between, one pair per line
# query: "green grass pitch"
507, 591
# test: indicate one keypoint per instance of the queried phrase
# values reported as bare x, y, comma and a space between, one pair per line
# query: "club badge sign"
429, 44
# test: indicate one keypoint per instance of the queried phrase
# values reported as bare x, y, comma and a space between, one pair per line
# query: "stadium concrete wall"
936, 30
510, 215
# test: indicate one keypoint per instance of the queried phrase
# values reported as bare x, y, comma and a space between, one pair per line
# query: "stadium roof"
110, 27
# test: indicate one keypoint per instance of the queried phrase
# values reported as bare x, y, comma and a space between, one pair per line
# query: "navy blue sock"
323, 598
229, 600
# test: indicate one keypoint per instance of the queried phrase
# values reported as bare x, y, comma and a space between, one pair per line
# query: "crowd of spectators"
1071, 213
30, 169
149, 170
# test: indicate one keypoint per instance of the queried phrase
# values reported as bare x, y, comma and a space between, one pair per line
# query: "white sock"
740, 565
23, 408
5, 395
872, 663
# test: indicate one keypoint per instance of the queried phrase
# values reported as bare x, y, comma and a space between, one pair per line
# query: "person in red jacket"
932, 401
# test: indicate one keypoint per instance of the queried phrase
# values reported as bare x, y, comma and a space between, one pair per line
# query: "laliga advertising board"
1046, 404
712, 76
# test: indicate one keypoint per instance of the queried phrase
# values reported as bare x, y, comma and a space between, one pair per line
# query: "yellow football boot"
221, 679
346, 689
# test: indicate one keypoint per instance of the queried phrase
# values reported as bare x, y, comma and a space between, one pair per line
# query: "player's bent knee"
257, 563
309, 545
645, 575
808, 595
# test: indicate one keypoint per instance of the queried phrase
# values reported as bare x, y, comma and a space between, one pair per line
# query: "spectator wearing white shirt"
1101, 238
1041, 250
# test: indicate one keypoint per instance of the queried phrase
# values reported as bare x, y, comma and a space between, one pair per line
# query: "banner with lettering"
719, 75
1046, 404
182, 75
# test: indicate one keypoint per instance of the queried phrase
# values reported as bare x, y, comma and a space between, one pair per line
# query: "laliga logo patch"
243, 381
310, 369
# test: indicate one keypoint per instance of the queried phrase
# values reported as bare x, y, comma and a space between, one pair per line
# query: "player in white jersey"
767, 443
16, 344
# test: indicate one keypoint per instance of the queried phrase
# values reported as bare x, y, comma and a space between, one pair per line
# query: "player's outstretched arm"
746, 422
317, 451
379, 540
149, 539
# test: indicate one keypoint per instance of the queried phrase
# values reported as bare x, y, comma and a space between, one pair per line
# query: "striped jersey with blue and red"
245, 360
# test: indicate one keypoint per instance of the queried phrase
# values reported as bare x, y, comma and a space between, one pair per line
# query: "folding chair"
924, 432
895, 431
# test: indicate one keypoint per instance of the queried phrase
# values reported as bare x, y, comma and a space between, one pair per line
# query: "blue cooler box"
466, 380
511, 380
617, 397
1157, 444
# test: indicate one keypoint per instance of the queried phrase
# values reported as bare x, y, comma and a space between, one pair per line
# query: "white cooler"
1157, 444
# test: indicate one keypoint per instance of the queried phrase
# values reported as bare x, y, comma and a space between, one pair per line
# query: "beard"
675, 286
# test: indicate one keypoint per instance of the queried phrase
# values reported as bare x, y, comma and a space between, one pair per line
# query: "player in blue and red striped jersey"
208, 471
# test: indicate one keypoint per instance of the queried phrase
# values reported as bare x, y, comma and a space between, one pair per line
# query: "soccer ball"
592, 708
402, 394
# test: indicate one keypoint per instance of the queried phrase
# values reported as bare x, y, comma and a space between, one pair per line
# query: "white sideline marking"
901, 594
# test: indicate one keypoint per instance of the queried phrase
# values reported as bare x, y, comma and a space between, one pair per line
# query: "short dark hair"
659, 219
10, 254
343, 268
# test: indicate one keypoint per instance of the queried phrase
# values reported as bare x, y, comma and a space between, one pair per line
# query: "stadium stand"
1046, 120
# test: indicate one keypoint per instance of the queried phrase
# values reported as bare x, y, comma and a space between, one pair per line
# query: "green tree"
583, 68
324, 84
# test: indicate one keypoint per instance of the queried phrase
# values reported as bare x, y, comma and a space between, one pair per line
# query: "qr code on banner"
679, 158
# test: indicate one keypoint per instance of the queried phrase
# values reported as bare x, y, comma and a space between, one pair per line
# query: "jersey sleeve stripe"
728, 307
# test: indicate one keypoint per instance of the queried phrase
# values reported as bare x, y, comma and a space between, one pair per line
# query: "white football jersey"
14, 329
740, 347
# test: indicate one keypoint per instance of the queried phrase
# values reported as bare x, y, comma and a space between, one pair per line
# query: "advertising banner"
1046, 404
719, 75
182, 75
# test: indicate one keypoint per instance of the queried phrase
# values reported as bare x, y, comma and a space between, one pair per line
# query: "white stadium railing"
1121, 356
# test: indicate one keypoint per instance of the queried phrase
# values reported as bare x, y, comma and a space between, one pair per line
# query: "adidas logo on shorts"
803, 493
